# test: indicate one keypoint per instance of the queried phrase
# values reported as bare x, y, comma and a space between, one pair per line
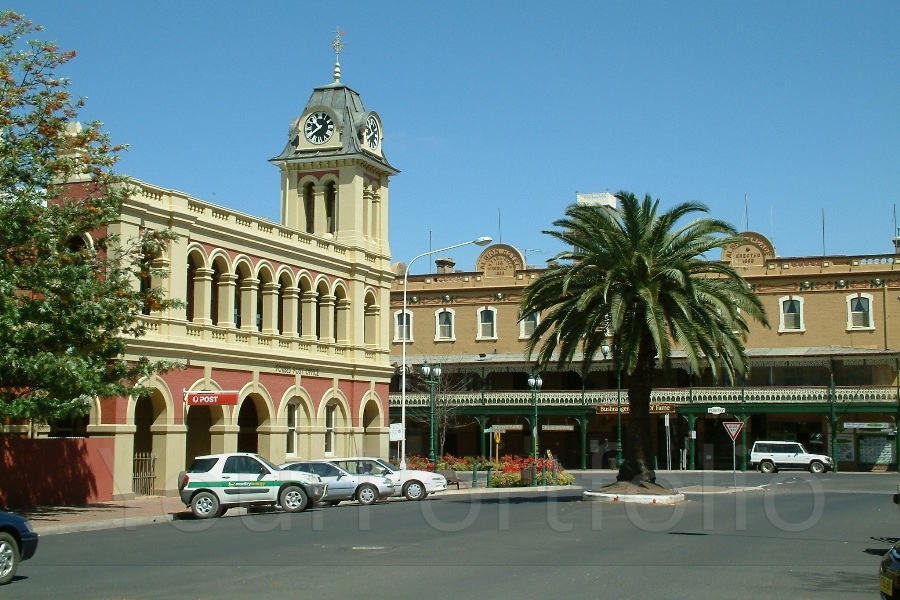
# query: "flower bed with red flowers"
507, 473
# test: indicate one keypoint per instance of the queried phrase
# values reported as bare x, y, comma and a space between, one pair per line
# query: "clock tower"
334, 174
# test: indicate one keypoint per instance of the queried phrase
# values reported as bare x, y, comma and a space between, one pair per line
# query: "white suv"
216, 482
413, 484
769, 456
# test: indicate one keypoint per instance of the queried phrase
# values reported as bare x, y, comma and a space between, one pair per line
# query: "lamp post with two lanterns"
432, 377
534, 384
605, 349
405, 335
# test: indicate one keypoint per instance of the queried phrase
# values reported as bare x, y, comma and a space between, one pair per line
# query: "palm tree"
641, 283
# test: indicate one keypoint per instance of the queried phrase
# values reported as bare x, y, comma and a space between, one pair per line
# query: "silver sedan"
364, 488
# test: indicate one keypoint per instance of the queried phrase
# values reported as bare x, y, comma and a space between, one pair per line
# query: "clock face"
318, 127
372, 135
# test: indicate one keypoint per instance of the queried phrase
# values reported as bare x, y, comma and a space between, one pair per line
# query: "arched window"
444, 325
527, 325
790, 314
330, 208
309, 207
859, 311
403, 326
487, 324
330, 415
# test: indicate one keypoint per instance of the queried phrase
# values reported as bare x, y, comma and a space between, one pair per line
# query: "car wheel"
816, 467
205, 505
9, 557
366, 494
767, 466
414, 490
293, 499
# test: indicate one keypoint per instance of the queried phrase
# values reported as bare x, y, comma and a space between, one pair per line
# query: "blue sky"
496, 113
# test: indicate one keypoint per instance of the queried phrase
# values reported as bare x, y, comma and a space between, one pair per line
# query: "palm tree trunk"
637, 467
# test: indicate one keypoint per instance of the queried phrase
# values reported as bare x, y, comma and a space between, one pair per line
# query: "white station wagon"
216, 482
768, 457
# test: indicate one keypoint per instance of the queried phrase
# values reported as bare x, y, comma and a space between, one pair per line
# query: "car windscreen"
388, 469
271, 466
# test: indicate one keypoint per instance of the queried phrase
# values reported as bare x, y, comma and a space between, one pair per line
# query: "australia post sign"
211, 398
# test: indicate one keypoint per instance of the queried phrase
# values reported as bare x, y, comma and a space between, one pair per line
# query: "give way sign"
733, 428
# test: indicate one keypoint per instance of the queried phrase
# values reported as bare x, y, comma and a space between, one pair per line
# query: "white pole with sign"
733, 428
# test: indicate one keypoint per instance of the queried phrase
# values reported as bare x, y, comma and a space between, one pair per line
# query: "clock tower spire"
334, 170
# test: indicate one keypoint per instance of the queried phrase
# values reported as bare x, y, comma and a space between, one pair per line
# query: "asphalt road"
790, 535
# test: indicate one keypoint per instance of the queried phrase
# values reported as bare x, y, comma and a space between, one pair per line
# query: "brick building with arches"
282, 338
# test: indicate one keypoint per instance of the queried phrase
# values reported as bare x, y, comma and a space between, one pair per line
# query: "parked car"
216, 482
769, 456
18, 542
889, 573
411, 483
365, 489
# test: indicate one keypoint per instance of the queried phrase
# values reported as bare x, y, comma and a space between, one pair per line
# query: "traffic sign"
733, 428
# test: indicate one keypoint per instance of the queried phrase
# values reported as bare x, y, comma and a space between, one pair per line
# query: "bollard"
544, 474
474, 475
533, 474
489, 476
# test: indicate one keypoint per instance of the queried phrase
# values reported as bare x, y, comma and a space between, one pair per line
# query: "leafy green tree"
638, 281
70, 295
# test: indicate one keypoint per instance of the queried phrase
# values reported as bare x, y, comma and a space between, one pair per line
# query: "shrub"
506, 473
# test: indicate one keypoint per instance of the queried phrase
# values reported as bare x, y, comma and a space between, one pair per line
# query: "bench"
450, 476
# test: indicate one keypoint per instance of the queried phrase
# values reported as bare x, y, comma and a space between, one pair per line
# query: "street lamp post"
605, 349
534, 384
432, 378
405, 331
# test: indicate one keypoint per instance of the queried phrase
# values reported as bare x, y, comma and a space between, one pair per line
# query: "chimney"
444, 265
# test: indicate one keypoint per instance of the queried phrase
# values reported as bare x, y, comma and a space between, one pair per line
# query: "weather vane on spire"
337, 43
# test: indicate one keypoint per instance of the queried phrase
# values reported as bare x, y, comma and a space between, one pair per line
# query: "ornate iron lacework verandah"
886, 395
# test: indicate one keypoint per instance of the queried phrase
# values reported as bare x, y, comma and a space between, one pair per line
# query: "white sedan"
364, 488
413, 484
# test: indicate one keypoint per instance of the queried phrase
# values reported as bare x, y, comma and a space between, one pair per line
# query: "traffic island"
643, 493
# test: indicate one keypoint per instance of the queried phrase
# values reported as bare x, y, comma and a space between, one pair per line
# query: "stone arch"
266, 299
330, 196
220, 298
371, 318
371, 423
153, 418
245, 287
306, 315
205, 426
342, 319
198, 285
287, 304
296, 415
324, 326
253, 418
334, 420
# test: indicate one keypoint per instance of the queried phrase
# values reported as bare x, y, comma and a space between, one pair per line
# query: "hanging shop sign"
211, 398
656, 408
503, 428
557, 427
876, 426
